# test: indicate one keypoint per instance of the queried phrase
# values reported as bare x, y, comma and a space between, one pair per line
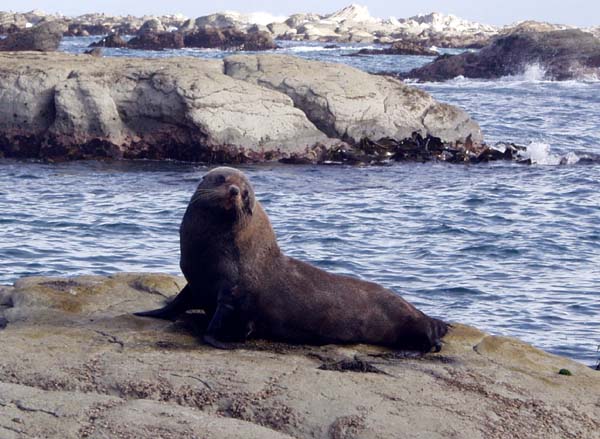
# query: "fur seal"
238, 275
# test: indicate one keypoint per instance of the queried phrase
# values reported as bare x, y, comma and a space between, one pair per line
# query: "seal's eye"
219, 179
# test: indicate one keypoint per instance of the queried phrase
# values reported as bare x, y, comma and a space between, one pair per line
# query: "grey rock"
245, 108
219, 20
78, 107
296, 20
278, 29
44, 37
349, 104
152, 25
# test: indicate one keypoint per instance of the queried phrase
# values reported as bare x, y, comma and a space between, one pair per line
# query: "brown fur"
255, 287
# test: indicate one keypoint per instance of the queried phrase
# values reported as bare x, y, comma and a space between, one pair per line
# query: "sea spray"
538, 153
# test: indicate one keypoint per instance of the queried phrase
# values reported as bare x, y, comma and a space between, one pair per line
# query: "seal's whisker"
205, 195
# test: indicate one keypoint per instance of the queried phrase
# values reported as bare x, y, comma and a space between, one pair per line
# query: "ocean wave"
333, 47
534, 72
540, 153
532, 76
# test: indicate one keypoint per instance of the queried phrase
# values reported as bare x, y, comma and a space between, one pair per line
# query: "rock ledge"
244, 108
76, 363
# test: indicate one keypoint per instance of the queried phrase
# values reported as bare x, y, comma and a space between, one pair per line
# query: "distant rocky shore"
559, 54
76, 363
350, 24
208, 37
245, 108
60, 107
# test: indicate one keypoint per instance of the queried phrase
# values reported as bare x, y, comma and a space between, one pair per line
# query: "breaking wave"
539, 153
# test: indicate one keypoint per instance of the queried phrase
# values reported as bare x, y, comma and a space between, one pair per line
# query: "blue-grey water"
509, 248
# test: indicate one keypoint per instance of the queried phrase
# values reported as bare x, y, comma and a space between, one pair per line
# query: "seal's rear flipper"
180, 304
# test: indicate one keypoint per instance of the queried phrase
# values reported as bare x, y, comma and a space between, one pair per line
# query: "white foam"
539, 154
321, 48
570, 159
534, 72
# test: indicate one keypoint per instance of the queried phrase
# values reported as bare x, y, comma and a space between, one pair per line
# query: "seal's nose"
234, 191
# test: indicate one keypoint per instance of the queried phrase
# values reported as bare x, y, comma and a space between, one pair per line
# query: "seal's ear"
249, 202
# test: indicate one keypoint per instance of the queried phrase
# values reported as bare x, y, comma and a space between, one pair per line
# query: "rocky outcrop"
85, 30
332, 96
76, 363
112, 40
44, 37
87, 24
354, 24
229, 38
245, 108
150, 40
153, 25
350, 24
400, 48
564, 54
16, 21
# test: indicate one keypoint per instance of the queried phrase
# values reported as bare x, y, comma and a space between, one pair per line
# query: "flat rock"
75, 363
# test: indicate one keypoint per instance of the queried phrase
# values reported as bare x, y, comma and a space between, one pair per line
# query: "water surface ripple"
511, 249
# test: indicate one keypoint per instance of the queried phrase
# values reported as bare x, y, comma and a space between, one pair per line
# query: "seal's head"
226, 189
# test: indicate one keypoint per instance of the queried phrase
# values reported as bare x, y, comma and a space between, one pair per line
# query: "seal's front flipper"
180, 304
227, 322
211, 340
